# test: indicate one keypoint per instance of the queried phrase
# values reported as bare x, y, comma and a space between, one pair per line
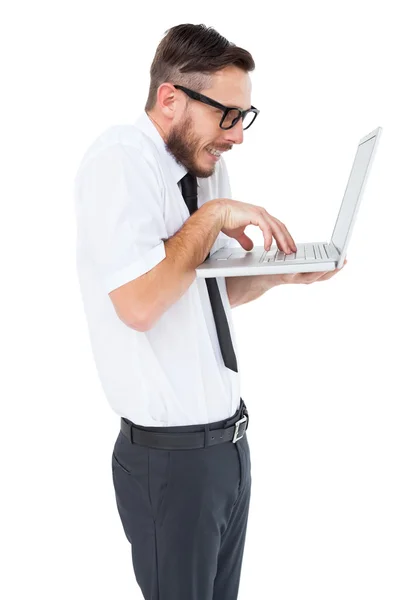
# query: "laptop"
310, 257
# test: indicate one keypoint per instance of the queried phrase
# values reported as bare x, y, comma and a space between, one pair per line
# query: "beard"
183, 144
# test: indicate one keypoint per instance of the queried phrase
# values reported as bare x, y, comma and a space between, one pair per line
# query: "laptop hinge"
337, 250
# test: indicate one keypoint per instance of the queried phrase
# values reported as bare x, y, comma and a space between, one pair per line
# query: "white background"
319, 362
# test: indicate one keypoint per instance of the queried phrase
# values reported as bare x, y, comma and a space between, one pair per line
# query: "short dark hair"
189, 54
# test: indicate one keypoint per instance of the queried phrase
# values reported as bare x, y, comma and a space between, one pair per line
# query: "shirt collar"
145, 124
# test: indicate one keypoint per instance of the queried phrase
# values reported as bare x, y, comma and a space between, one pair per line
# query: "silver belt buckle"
237, 425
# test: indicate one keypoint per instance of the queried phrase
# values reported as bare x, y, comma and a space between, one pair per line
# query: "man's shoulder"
118, 138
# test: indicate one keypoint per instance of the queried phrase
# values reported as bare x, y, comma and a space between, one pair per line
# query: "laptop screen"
353, 193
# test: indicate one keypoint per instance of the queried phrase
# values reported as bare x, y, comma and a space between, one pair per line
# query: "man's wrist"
221, 210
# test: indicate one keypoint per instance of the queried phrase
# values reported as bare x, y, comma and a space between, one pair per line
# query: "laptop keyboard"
305, 253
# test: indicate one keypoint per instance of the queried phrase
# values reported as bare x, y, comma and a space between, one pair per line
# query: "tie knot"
189, 180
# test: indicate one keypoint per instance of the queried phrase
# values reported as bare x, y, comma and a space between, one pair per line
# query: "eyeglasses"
230, 115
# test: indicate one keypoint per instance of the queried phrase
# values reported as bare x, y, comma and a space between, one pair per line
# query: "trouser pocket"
141, 476
159, 474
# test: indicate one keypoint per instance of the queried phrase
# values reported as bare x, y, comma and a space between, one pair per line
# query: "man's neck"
156, 125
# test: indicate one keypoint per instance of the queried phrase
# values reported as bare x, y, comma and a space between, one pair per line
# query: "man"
153, 200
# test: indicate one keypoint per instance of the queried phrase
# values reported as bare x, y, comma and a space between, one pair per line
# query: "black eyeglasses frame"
215, 104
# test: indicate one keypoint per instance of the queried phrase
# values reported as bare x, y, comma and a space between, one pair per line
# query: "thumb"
245, 241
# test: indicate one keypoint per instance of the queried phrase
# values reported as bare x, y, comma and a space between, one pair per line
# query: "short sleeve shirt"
128, 201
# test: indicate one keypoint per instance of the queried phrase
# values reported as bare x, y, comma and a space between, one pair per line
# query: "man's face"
198, 128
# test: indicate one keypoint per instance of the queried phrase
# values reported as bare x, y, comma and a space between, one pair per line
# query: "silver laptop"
310, 257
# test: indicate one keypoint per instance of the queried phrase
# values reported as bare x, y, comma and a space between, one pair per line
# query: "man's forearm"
245, 289
164, 284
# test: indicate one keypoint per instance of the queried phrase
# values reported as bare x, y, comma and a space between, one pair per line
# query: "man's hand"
236, 216
307, 278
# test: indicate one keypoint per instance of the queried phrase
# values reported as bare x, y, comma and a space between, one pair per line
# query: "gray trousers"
185, 514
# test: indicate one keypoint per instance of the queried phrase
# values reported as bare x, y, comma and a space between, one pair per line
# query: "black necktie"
189, 192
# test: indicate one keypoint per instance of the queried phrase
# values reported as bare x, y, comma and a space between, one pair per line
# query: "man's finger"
281, 240
279, 234
316, 276
329, 274
290, 239
265, 227
307, 278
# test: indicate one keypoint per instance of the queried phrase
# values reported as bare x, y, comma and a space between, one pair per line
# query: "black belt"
187, 439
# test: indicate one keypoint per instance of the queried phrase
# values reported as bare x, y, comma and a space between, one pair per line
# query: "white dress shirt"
128, 202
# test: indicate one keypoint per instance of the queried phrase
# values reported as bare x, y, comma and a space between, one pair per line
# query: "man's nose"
234, 135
